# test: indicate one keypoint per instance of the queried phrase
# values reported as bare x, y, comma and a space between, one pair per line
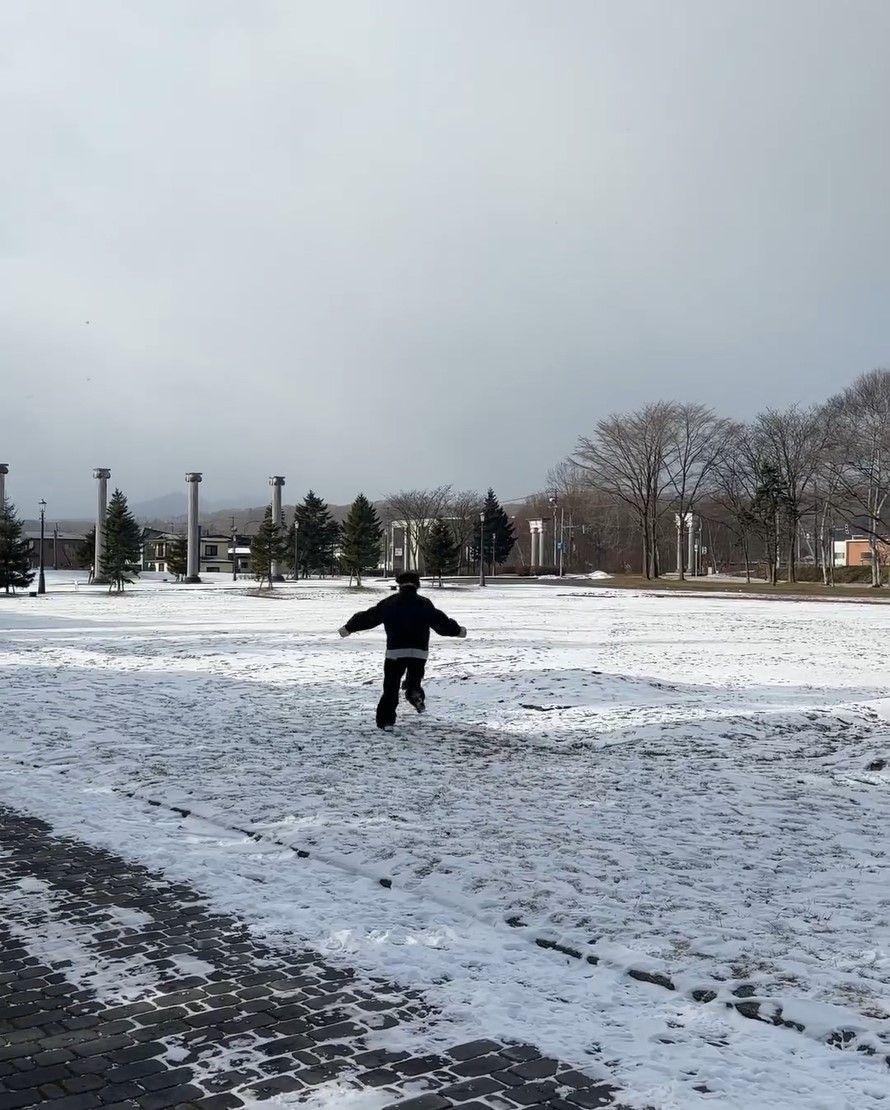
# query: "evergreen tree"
317, 536
15, 551
86, 549
499, 536
361, 538
123, 544
440, 549
177, 556
769, 504
267, 547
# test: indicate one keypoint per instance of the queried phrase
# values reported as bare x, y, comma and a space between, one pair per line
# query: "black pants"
393, 669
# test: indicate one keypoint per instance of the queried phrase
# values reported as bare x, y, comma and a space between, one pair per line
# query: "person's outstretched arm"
360, 622
444, 625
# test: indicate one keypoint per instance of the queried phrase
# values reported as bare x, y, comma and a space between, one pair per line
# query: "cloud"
376, 245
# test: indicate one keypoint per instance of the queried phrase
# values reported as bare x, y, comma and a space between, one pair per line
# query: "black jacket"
407, 618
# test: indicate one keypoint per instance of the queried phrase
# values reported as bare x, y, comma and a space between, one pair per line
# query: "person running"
407, 618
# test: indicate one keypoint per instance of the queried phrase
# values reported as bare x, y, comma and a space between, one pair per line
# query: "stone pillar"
4, 470
101, 474
276, 482
193, 561
536, 528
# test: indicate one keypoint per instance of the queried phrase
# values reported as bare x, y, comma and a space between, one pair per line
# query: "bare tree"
463, 510
828, 499
696, 439
625, 458
791, 440
864, 475
735, 486
417, 508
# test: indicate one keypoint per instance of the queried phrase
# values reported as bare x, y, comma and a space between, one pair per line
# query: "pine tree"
178, 555
499, 536
268, 546
440, 549
86, 549
317, 535
769, 503
123, 544
361, 538
15, 551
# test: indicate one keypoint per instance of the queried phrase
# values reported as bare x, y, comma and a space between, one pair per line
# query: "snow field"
665, 783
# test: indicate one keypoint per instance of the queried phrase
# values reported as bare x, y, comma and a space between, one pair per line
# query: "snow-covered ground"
672, 784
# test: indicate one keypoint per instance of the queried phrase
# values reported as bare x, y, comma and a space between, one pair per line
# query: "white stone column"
276, 482
101, 474
193, 561
4, 470
536, 529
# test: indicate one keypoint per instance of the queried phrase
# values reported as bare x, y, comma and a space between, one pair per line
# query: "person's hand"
463, 633
344, 631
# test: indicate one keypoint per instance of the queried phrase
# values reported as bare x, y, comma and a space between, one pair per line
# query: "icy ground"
673, 784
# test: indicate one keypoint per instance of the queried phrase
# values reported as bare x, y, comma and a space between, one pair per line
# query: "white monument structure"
193, 559
4, 470
536, 528
101, 474
276, 482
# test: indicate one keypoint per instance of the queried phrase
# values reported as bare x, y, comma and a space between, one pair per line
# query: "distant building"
852, 548
156, 548
217, 554
59, 549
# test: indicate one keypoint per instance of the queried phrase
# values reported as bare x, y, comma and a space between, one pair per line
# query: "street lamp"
482, 548
41, 581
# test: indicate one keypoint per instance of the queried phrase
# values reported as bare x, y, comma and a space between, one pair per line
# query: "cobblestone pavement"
121, 989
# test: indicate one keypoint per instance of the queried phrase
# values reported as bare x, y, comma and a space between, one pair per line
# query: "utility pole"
234, 551
56, 546
482, 549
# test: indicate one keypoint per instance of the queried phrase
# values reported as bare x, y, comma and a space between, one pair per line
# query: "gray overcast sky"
377, 245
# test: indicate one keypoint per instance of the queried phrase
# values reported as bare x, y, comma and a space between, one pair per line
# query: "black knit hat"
409, 578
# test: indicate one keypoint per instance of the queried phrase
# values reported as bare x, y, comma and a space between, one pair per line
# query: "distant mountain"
167, 507
172, 508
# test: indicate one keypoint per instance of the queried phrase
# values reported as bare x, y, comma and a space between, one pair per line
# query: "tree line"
444, 532
121, 558
770, 493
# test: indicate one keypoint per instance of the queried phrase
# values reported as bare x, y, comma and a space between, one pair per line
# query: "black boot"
416, 698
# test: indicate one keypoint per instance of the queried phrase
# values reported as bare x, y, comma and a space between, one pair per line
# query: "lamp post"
41, 581
482, 549
234, 551
296, 550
